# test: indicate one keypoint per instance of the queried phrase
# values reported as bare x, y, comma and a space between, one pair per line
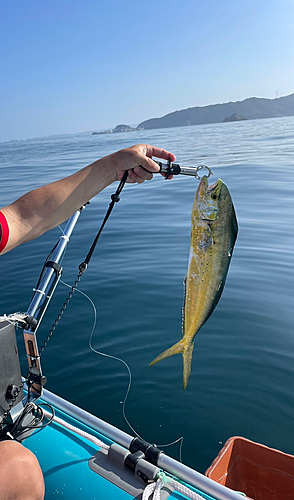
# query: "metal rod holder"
39, 303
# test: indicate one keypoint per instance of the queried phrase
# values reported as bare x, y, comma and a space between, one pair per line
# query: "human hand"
137, 160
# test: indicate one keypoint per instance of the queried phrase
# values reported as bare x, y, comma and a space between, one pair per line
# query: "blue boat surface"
74, 467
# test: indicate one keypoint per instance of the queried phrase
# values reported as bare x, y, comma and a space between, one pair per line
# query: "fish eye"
214, 196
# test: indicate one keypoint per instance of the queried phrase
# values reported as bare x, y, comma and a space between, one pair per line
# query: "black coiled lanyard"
83, 266
114, 199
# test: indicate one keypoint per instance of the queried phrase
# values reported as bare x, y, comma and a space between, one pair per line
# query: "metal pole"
39, 304
43, 295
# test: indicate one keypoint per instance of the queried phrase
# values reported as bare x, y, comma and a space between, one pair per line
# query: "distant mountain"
249, 109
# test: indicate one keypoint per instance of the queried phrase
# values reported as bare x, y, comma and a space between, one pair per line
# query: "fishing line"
107, 355
180, 439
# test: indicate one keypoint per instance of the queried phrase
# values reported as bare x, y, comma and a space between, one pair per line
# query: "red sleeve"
4, 233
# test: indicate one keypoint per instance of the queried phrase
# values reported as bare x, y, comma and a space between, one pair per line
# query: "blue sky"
71, 66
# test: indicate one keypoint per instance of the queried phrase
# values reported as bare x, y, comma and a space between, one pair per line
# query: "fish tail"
179, 348
175, 349
187, 360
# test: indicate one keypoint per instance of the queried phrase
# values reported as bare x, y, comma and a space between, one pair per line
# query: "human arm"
42, 209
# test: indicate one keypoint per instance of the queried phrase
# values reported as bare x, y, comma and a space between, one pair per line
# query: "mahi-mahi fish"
213, 235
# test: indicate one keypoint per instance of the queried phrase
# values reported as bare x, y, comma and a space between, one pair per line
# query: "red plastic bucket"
261, 473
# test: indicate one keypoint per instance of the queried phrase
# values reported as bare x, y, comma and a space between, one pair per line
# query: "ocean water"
242, 380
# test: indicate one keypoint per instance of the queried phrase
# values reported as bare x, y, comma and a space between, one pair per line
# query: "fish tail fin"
187, 360
175, 349
179, 348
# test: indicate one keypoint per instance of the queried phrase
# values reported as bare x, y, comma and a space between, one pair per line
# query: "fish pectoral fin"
175, 349
187, 360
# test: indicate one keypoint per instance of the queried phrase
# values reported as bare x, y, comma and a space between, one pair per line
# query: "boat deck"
64, 458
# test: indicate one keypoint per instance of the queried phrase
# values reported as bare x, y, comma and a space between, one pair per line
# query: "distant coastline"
249, 109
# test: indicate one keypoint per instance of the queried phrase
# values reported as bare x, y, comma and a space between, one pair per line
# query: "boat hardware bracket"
130, 472
151, 452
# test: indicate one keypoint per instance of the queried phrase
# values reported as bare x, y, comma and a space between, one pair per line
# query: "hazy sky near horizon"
72, 66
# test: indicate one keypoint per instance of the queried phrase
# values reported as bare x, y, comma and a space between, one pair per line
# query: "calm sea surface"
242, 380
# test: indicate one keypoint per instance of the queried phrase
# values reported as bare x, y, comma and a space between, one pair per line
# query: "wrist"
104, 172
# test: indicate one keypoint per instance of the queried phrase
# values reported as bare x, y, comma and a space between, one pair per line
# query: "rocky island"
234, 118
118, 128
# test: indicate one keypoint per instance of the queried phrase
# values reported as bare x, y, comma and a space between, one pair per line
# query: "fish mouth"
206, 192
213, 186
